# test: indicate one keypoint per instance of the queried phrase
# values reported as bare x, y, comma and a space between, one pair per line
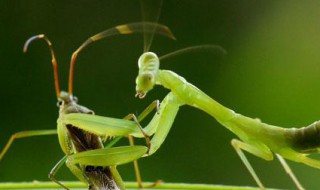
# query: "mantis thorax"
148, 64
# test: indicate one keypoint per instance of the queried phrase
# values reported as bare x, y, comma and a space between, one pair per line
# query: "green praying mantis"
82, 134
258, 138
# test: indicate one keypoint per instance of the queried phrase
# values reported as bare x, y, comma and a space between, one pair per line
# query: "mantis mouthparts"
141, 95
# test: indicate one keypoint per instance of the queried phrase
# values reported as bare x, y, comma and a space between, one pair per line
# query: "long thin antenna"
202, 48
125, 29
150, 10
53, 59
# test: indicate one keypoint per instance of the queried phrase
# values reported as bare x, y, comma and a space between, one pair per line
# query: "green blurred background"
271, 72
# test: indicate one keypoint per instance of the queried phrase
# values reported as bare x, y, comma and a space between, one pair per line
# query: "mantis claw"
141, 95
158, 106
148, 143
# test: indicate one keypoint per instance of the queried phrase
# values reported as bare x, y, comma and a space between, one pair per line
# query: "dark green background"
271, 72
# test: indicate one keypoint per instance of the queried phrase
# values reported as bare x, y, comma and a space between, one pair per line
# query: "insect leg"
117, 177
154, 105
110, 157
137, 170
289, 172
135, 164
146, 136
259, 152
25, 134
147, 111
308, 161
55, 169
161, 123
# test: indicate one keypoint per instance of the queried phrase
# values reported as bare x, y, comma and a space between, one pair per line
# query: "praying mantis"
82, 134
258, 138
255, 137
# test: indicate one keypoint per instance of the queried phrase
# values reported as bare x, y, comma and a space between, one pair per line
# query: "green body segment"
253, 131
249, 130
306, 139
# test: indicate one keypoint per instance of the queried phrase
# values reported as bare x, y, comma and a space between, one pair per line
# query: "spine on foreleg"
163, 121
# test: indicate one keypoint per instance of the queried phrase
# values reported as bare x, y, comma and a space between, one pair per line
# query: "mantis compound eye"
144, 83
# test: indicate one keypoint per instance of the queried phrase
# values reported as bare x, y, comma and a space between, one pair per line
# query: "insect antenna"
146, 27
202, 48
150, 11
53, 59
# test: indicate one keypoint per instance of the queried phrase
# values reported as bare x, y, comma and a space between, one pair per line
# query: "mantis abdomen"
305, 139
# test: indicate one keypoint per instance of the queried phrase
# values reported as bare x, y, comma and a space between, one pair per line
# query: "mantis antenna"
53, 60
206, 47
146, 27
150, 10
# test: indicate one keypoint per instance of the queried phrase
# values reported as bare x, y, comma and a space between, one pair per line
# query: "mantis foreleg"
150, 108
161, 123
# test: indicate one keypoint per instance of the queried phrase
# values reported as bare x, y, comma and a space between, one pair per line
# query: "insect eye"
59, 103
75, 99
148, 77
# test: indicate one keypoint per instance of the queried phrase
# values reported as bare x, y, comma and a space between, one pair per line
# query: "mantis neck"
191, 95
244, 127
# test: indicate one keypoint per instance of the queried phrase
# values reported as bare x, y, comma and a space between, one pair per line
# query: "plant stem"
130, 185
